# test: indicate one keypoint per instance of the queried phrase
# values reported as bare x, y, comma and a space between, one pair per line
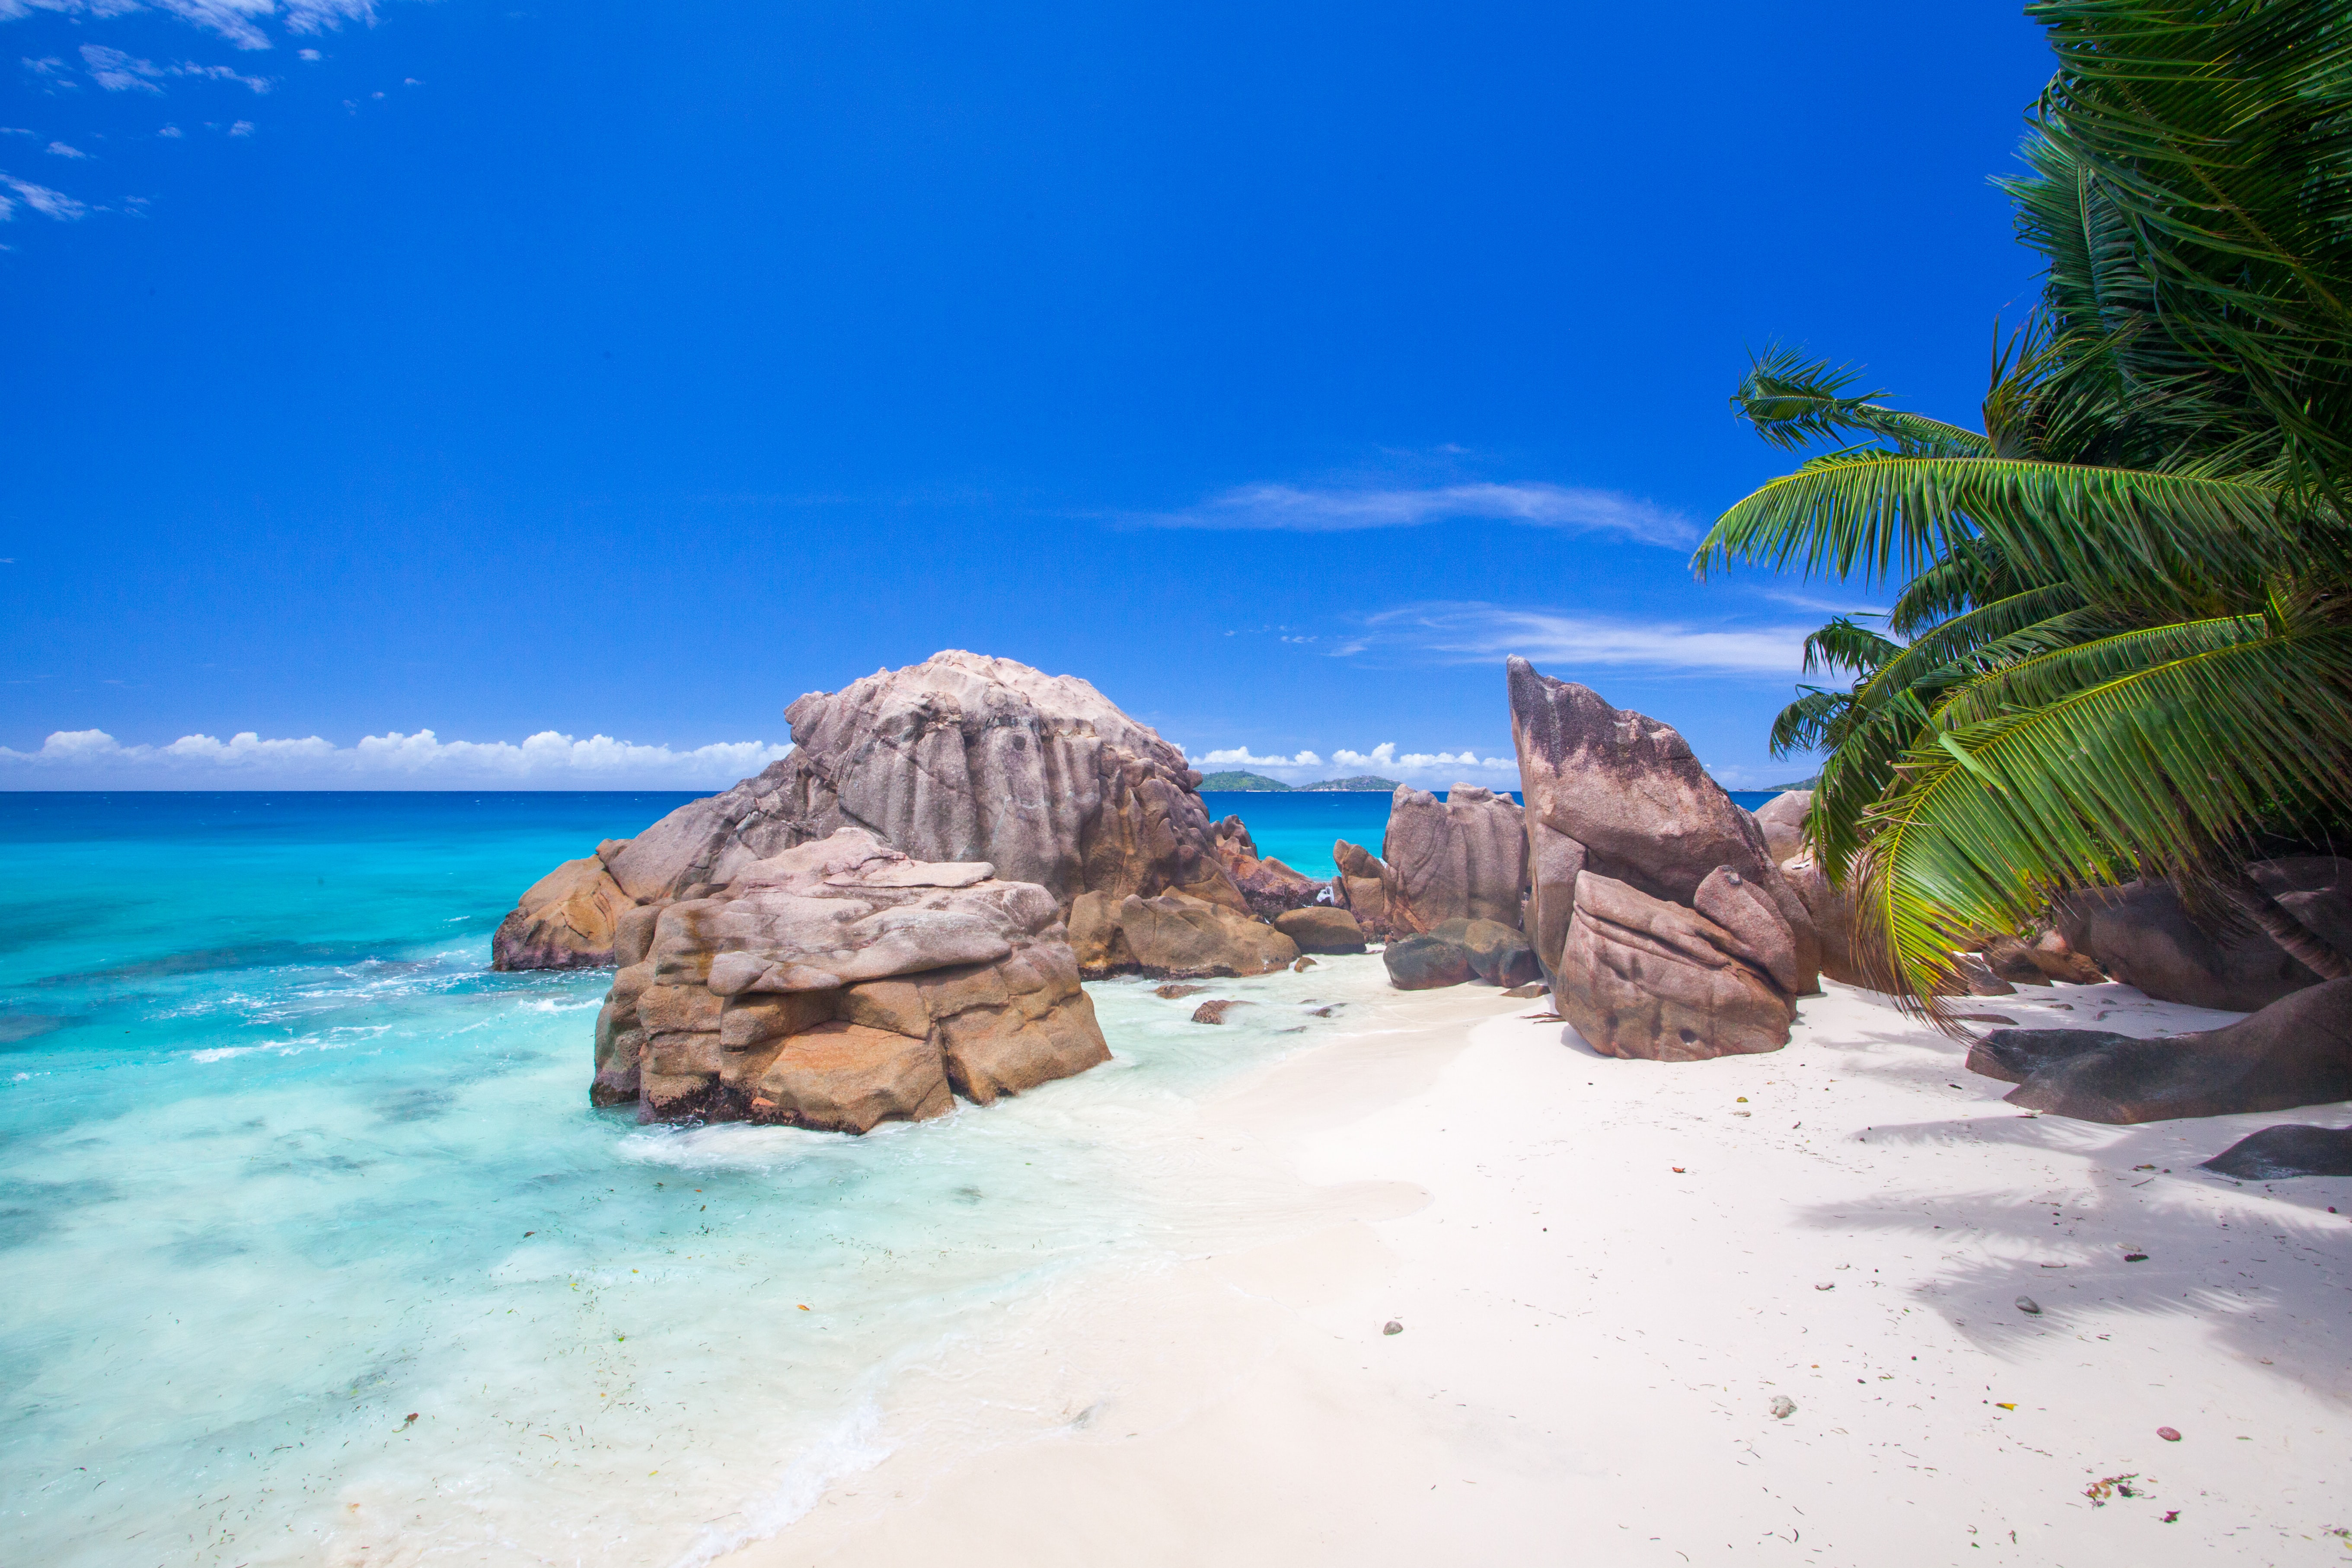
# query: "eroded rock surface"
1462, 858
1173, 935
2141, 934
959, 758
2278, 1153
2296, 1051
1640, 976
1321, 929
1361, 888
1457, 950
841, 983
1266, 886
566, 919
1424, 962
1654, 905
1782, 819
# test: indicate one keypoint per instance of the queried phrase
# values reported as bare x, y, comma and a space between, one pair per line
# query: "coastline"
1592, 1341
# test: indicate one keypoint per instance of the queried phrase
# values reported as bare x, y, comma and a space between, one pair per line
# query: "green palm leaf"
2167, 769
2172, 538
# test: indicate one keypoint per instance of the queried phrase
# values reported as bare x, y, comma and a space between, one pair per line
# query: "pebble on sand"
1784, 1407
2167, 1434
2028, 1306
1392, 1327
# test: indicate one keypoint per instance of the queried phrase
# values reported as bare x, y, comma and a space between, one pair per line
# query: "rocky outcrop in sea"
963, 757
839, 985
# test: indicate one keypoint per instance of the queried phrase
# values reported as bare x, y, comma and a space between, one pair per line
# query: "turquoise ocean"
311, 1248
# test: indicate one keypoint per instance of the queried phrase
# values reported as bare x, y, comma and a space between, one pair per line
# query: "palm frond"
2170, 538
2162, 771
1793, 401
1843, 644
1805, 725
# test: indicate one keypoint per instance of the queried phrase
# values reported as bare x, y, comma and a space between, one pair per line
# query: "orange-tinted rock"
564, 921
846, 1077
839, 985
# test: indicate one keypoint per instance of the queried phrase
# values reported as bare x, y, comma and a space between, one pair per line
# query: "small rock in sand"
1214, 1012
1532, 989
1303, 963
1171, 992
1392, 1327
2028, 1306
2277, 1154
1784, 1407
2167, 1434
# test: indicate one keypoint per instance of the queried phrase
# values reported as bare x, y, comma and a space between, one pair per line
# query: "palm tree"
2124, 642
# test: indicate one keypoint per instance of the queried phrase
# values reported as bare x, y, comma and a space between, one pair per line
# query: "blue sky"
380, 367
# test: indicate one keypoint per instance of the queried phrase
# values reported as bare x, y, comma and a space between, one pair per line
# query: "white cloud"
172, 131
1762, 775
41, 199
1434, 770
1288, 507
117, 71
1827, 607
239, 21
1474, 632
60, 150
1240, 757
92, 759
242, 128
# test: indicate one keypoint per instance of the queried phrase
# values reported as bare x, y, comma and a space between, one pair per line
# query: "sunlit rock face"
1460, 858
961, 757
1653, 901
840, 985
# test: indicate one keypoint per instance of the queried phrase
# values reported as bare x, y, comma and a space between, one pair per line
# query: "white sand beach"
1605, 1272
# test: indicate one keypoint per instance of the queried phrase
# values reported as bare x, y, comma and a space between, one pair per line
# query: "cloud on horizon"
92, 759
1295, 510
1424, 769
1470, 633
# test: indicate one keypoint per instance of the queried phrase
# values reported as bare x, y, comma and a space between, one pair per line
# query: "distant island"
1235, 783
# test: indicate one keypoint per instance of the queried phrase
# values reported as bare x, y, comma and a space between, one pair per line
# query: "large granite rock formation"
1830, 912
1173, 935
1453, 951
838, 985
1463, 858
1782, 818
1266, 885
961, 757
2296, 1051
1655, 906
1321, 929
2142, 936
1361, 888
563, 920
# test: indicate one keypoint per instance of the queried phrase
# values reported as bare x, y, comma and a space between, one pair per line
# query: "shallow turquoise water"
281, 1165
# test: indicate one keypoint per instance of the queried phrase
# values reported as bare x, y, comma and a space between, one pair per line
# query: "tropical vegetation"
2120, 641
